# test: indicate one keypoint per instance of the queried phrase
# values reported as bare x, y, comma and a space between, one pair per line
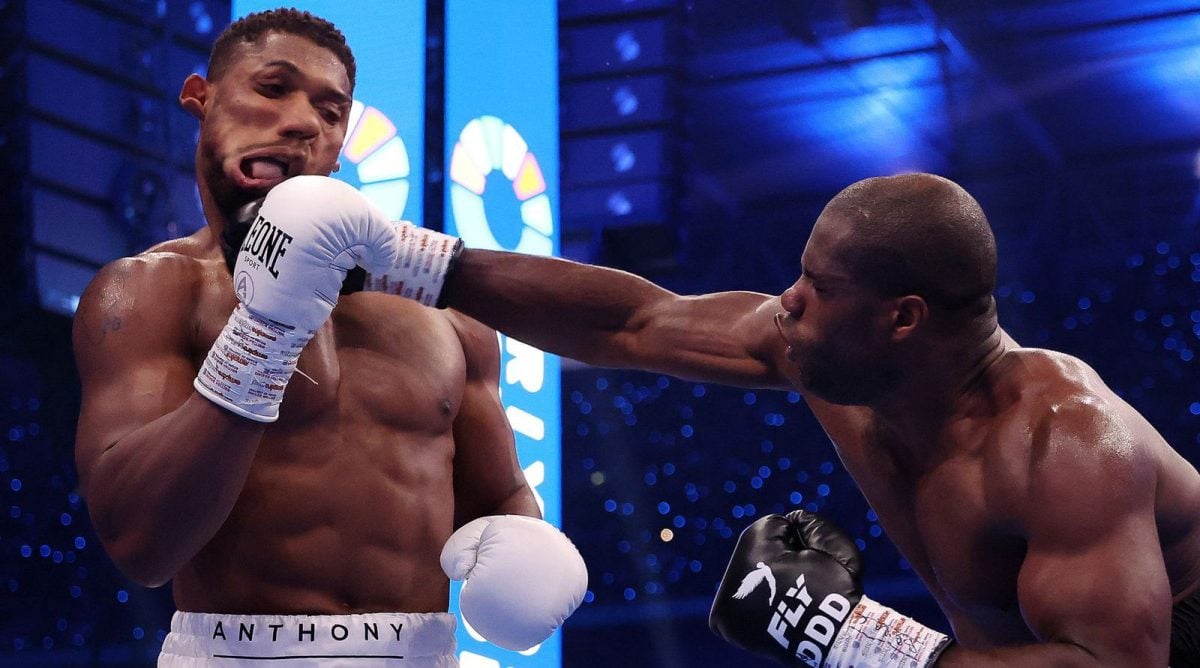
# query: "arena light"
619, 204
627, 46
623, 157
625, 101
202, 21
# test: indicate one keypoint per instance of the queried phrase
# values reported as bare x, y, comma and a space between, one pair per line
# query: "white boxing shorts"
411, 640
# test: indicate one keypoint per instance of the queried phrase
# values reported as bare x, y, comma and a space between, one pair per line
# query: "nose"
300, 120
792, 302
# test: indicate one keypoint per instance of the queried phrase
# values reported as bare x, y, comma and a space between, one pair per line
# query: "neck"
218, 223
212, 212
952, 384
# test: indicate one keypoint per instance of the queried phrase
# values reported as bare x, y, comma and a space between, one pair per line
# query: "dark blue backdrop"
1070, 121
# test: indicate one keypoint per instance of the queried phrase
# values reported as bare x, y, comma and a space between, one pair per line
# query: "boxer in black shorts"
1050, 521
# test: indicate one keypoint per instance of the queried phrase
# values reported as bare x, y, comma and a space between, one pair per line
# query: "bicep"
132, 360
488, 478
1108, 595
1093, 573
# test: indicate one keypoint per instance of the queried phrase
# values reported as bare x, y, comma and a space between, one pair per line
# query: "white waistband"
376, 639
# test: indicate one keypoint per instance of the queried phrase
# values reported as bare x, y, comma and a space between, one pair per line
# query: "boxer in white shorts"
283, 455
414, 640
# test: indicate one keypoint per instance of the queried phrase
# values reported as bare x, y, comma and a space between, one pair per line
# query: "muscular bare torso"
959, 523
350, 495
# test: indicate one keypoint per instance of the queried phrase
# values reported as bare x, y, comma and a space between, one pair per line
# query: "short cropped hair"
919, 234
251, 27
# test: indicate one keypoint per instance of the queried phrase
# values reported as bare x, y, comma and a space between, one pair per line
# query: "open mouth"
265, 168
262, 172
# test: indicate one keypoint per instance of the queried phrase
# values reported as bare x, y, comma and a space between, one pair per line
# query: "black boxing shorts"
1185, 632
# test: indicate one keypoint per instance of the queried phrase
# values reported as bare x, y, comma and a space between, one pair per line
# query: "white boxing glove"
523, 578
308, 232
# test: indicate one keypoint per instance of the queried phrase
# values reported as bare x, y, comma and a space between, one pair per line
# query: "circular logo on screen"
379, 157
487, 144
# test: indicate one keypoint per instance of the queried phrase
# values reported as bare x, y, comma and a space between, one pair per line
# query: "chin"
843, 387
230, 200
837, 396
234, 192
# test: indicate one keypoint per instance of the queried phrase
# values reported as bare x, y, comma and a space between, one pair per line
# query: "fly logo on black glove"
789, 614
822, 623
822, 619
761, 573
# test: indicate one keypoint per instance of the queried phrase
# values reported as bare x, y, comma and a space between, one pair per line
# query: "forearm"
520, 503
1044, 654
469, 506
161, 492
566, 308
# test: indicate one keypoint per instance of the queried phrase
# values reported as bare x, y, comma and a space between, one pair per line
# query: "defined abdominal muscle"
340, 529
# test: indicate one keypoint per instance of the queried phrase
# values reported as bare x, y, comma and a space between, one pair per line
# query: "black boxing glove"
235, 231
792, 593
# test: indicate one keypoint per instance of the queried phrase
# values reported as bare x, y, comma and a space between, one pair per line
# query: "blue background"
698, 142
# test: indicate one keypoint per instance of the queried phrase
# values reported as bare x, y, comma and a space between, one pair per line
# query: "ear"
193, 97
337, 167
908, 313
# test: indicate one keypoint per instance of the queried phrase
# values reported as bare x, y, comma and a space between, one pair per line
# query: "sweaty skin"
395, 437
1051, 522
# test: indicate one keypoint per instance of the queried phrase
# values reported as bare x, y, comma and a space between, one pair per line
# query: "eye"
332, 115
272, 89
